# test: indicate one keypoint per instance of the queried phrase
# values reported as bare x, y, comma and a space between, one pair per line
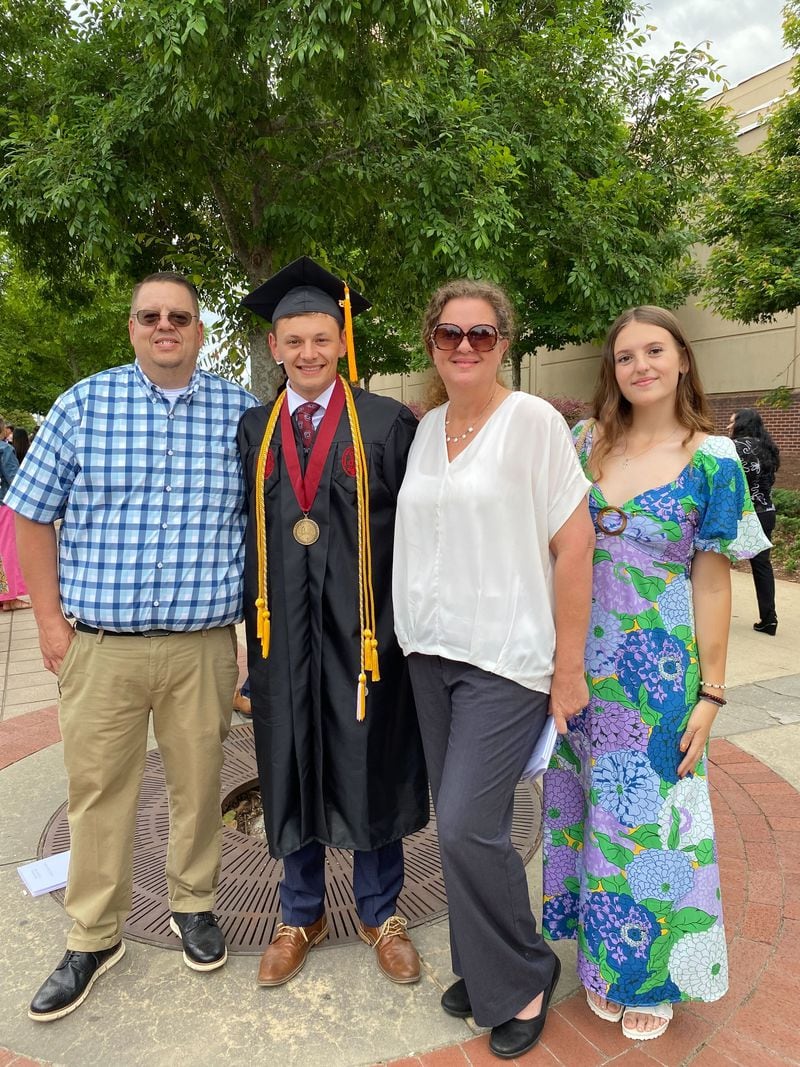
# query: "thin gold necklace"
627, 460
469, 429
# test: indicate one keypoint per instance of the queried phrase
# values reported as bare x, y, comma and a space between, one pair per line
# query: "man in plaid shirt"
140, 462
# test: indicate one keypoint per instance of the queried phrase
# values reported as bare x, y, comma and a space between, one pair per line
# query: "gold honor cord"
352, 370
366, 596
262, 600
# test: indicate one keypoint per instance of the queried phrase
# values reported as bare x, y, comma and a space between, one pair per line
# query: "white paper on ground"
542, 751
43, 876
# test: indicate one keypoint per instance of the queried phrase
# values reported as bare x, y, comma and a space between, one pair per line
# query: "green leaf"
601, 556
649, 715
670, 568
683, 633
660, 909
646, 835
650, 619
658, 959
614, 853
575, 831
674, 838
672, 531
583, 944
609, 690
649, 588
565, 752
690, 921
607, 972
704, 852
615, 883
572, 885
627, 622
557, 838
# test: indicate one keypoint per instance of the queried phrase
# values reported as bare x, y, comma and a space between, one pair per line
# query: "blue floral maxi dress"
630, 859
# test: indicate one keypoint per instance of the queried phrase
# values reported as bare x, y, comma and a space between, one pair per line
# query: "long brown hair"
471, 289
615, 413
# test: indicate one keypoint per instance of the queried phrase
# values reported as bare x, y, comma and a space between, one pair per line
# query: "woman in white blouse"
492, 591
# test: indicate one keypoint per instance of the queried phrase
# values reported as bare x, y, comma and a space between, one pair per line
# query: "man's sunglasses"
447, 337
182, 319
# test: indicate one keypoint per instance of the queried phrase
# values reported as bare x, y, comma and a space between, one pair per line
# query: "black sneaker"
203, 941
69, 984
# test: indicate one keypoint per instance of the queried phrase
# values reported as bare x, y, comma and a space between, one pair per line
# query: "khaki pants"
108, 686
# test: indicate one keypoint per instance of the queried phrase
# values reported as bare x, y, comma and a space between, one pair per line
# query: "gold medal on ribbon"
305, 531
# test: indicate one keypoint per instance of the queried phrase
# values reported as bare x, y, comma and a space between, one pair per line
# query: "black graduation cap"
300, 288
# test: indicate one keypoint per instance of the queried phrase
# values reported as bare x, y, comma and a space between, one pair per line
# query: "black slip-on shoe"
512, 1039
455, 1000
70, 983
203, 941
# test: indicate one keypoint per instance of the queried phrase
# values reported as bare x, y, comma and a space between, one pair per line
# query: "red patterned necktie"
303, 418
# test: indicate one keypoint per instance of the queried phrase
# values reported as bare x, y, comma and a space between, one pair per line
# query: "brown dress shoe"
397, 957
286, 954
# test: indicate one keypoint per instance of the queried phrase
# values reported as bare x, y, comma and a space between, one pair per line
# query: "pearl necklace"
470, 429
627, 460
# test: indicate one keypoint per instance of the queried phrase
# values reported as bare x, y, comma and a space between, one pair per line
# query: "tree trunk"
516, 371
266, 377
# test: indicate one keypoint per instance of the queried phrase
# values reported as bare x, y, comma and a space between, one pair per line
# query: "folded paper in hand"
43, 876
542, 751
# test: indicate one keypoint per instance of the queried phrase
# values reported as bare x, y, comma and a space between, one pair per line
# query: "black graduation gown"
325, 776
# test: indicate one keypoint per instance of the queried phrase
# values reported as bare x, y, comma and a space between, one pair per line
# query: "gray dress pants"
478, 730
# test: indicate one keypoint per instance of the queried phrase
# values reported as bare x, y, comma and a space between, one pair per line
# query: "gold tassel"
376, 671
368, 649
352, 370
361, 698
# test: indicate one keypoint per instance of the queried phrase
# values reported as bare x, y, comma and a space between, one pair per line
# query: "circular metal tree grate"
247, 897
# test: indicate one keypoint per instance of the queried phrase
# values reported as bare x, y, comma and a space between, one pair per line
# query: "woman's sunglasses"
447, 337
181, 319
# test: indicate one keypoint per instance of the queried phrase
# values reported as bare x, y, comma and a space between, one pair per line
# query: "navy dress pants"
377, 881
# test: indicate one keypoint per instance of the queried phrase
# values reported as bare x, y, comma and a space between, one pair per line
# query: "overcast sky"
745, 35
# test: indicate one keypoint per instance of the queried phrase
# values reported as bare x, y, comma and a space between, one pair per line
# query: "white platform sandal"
658, 1011
604, 1013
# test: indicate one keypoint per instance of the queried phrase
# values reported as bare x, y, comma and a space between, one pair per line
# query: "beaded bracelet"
714, 700
713, 685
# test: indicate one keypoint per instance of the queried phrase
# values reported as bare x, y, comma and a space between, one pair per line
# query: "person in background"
20, 442
12, 583
761, 459
492, 590
630, 859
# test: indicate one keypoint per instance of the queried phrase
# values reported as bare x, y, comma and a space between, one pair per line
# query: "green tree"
52, 336
753, 218
400, 142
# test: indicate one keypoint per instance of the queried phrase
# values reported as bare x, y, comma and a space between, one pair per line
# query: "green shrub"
786, 542
787, 502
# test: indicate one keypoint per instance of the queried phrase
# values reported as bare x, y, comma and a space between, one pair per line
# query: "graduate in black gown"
339, 753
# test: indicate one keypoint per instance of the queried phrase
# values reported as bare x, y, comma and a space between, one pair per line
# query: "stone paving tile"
758, 822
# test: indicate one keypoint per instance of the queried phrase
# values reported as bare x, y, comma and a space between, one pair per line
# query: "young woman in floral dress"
630, 859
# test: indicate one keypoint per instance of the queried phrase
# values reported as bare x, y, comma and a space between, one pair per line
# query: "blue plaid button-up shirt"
152, 499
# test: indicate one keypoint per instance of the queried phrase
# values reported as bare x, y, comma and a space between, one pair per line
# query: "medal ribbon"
306, 485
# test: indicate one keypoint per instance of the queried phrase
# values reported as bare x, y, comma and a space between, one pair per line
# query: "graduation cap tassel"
352, 370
